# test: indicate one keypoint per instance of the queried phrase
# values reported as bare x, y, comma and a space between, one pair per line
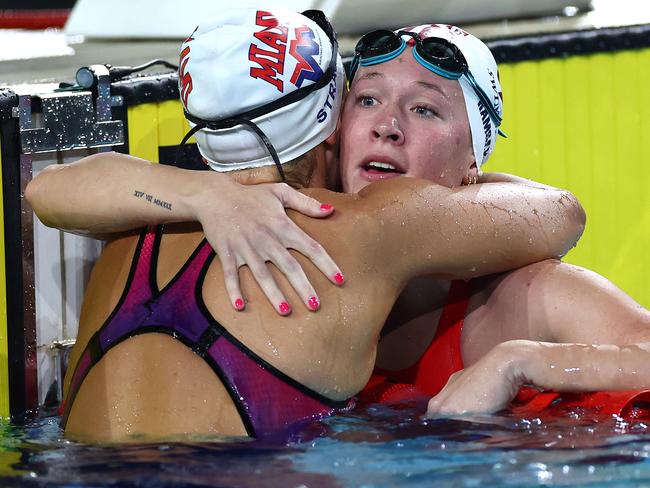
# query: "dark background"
35, 4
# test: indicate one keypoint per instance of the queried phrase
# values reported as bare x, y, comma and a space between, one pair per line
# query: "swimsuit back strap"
252, 383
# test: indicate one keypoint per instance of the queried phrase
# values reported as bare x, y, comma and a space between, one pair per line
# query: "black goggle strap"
190, 133
265, 140
206, 124
485, 99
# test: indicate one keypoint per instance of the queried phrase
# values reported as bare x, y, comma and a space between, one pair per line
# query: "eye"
366, 101
424, 111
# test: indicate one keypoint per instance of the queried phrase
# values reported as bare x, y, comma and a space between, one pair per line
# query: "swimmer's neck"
256, 176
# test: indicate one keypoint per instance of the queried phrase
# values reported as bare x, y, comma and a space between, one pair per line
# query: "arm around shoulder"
472, 231
246, 224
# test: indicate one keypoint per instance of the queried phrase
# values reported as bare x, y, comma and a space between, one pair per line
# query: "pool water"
376, 447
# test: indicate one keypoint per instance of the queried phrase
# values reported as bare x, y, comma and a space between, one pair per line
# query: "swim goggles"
246, 118
436, 54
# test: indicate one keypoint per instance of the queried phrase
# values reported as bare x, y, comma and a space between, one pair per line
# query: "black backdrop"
35, 4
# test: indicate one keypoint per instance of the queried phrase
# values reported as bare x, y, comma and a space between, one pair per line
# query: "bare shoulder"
569, 303
107, 280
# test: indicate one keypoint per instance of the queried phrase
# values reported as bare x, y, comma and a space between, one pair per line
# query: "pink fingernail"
239, 304
338, 277
284, 308
326, 207
313, 303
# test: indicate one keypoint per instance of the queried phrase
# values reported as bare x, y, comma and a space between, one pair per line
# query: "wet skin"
400, 114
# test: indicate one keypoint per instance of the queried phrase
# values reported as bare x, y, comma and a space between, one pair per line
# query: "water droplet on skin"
274, 349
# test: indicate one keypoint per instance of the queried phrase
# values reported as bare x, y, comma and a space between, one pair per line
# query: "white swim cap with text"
244, 59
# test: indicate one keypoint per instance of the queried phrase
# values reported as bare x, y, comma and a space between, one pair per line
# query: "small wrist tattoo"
152, 199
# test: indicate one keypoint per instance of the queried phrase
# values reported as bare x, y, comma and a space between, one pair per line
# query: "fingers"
302, 203
266, 281
277, 254
288, 265
231, 278
258, 230
444, 405
440, 404
433, 407
308, 247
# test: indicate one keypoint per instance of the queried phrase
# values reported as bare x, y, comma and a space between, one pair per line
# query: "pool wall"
577, 115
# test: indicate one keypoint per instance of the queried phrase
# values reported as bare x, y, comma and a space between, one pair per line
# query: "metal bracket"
60, 350
70, 120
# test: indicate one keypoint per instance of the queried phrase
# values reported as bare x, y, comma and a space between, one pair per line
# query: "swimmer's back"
154, 383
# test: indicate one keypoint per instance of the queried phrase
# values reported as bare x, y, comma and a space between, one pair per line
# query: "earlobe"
472, 175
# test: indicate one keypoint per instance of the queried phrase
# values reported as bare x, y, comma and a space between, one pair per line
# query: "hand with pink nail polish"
251, 227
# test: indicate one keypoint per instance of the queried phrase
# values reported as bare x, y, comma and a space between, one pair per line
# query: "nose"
388, 130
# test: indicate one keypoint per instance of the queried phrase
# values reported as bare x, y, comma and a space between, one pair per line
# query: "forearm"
493, 381
579, 367
111, 192
477, 230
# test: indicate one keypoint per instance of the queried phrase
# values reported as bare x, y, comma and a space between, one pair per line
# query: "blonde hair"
298, 172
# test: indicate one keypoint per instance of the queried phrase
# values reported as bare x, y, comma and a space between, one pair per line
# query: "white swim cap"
483, 68
251, 65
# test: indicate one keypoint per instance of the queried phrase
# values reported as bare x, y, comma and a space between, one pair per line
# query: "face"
400, 119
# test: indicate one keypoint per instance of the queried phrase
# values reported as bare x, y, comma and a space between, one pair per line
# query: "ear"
472, 175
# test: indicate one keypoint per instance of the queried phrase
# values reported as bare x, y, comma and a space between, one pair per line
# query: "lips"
380, 168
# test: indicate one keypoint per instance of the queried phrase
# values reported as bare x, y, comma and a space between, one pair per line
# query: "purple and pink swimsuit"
269, 401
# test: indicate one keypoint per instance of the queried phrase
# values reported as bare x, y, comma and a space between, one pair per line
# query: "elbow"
579, 216
36, 195
574, 221
33, 193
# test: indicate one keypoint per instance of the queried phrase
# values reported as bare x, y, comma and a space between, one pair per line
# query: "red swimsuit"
441, 359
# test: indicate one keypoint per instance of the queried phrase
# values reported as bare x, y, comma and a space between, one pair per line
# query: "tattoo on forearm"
152, 199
